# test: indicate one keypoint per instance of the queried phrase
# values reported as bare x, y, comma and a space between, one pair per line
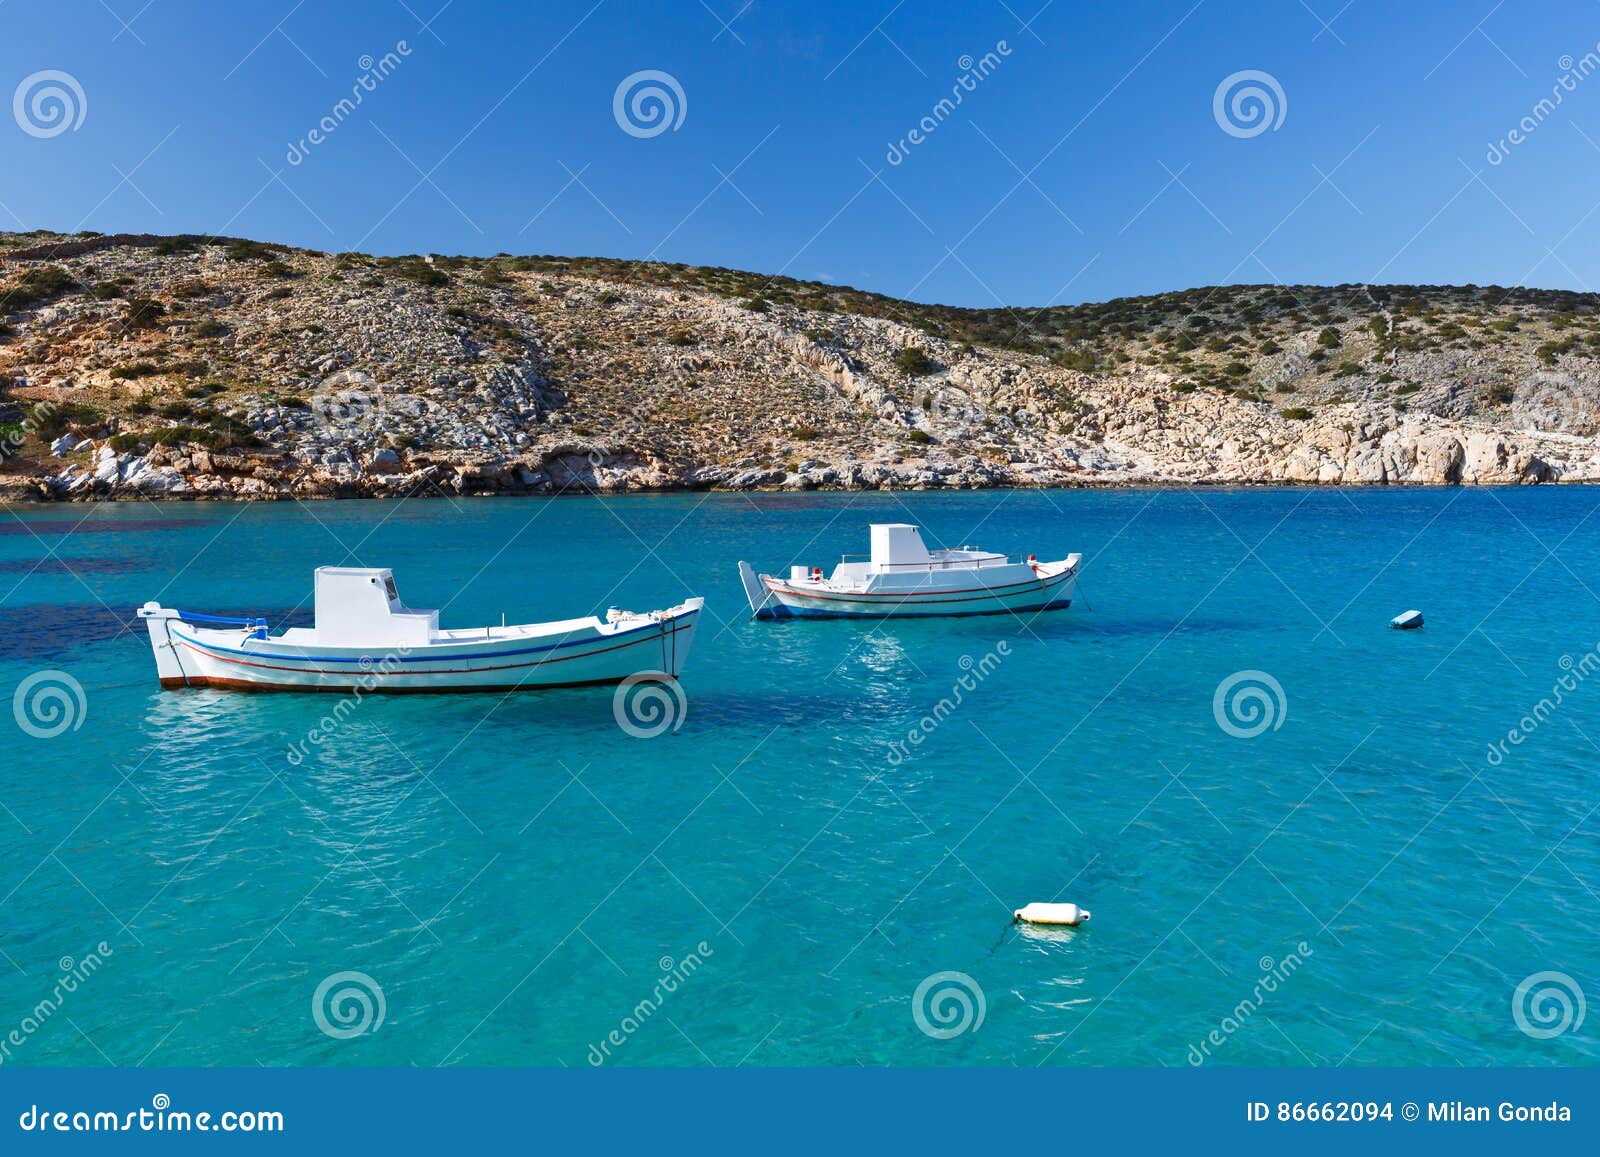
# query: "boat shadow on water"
49, 630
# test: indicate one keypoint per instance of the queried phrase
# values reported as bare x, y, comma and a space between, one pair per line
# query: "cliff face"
189, 367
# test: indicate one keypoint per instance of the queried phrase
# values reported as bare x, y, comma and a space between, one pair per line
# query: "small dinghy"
903, 578
1409, 621
365, 639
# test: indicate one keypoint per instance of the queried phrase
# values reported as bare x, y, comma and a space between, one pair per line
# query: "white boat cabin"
898, 551
356, 606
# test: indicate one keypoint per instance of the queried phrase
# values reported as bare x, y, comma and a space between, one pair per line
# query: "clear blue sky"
1087, 164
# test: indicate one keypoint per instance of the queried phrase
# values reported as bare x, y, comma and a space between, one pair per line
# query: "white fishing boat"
364, 638
902, 577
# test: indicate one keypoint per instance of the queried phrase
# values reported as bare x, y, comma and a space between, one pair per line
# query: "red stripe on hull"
201, 682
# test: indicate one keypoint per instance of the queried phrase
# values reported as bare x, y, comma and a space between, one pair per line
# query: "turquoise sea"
1367, 880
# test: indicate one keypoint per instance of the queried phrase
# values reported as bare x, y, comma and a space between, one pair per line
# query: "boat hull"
972, 593
587, 654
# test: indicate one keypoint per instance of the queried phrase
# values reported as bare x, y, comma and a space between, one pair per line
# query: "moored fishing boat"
364, 638
903, 578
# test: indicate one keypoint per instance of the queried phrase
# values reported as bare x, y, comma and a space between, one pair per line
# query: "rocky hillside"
191, 367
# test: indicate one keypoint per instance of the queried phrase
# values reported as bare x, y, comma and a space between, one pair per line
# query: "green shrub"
418, 270
242, 250
756, 304
920, 436
209, 327
135, 370
914, 361
174, 246
144, 313
1329, 338
1295, 413
35, 287
1082, 360
50, 421
211, 439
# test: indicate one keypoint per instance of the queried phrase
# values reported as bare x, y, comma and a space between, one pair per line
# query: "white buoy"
1409, 621
1037, 913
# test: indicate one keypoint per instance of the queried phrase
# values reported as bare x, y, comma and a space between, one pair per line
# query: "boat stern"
158, 620
764, 603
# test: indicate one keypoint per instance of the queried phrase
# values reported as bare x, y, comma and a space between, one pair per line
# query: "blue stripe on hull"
787, 612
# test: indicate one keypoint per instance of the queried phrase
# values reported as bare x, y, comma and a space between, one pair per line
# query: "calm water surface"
516, 873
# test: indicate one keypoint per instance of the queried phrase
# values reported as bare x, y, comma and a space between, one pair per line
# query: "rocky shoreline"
188, 368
